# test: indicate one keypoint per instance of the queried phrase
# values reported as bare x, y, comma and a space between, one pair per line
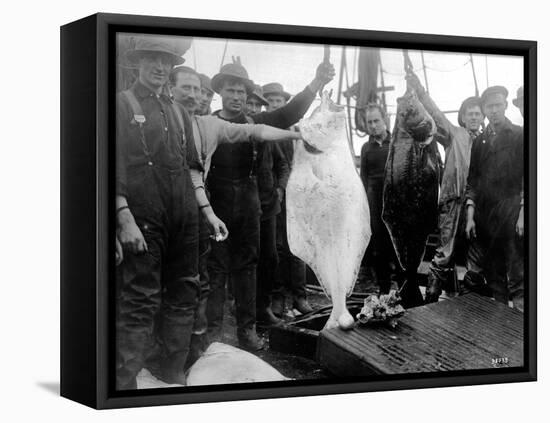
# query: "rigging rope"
416, 70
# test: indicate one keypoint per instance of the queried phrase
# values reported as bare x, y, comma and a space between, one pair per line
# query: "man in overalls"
234, 197
156, 215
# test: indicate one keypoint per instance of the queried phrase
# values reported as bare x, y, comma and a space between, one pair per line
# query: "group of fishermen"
480, 200
200, 207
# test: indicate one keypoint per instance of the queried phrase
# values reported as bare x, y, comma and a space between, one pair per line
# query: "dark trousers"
291, 271
380, 254
442, 267
268, 262
237, 204
199, 341
499, 250
501, 263
158, 290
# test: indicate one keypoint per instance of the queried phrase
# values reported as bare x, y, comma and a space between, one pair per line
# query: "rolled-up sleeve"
234, 132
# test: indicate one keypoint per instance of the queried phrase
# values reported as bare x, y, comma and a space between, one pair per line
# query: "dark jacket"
373, 162
235, 161
495, 180
273, 172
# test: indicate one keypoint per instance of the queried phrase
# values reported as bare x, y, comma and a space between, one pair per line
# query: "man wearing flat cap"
232, 182
207, 95
518, 101
494, 200
156, 216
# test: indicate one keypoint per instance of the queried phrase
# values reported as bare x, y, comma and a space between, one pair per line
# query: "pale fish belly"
328, 222
222, 364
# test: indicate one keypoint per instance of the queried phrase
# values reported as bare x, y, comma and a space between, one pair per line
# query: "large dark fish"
411, 186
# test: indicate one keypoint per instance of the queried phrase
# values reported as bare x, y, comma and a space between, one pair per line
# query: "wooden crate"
462, 333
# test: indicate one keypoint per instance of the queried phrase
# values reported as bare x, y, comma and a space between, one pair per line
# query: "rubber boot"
179, 306
265, 317
410, 292
433, 288
249, 339
214, 306
244, 291
302, 305
278, 304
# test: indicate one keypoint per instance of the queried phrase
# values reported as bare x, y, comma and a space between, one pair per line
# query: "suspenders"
139, 119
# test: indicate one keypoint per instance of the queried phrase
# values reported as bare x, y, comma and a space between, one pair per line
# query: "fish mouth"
311, 149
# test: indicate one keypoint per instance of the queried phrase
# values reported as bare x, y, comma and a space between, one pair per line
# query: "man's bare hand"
413, 82
119, 256
129, 234
325, 73
519, 224
217, 227
471, 229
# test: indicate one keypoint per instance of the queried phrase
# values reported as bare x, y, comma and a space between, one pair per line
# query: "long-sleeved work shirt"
164, 144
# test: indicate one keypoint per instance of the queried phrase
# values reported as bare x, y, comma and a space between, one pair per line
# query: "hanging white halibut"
328, 220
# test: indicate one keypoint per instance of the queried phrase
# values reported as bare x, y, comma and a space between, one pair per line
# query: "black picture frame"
87, 180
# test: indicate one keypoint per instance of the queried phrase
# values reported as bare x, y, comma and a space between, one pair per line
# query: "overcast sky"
450, 77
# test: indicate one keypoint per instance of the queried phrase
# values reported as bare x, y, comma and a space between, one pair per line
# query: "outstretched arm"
291, 113
443, 135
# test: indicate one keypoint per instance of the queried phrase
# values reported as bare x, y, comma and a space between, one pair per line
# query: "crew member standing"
495, 199
234, 197
380, 254
457, 142
291, 271
156, 215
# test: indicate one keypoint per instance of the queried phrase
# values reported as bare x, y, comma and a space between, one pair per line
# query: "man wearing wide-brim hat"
494, 199
275, 94
255, 101
157, 281
291, 271
172, 48
234, 197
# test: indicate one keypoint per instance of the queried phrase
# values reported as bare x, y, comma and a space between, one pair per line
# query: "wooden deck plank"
461, 333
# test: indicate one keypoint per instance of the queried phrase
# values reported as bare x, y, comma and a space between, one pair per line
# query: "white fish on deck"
220, 364
328, 216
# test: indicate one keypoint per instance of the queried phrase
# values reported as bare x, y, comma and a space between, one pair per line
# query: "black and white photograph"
289, 212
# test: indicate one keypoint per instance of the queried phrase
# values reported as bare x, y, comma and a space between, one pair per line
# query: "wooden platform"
462, 333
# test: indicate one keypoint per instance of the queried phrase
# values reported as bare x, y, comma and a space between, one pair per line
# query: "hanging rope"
224, 51
425, 73
487, 70
474, 75
194, 57
422, 68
